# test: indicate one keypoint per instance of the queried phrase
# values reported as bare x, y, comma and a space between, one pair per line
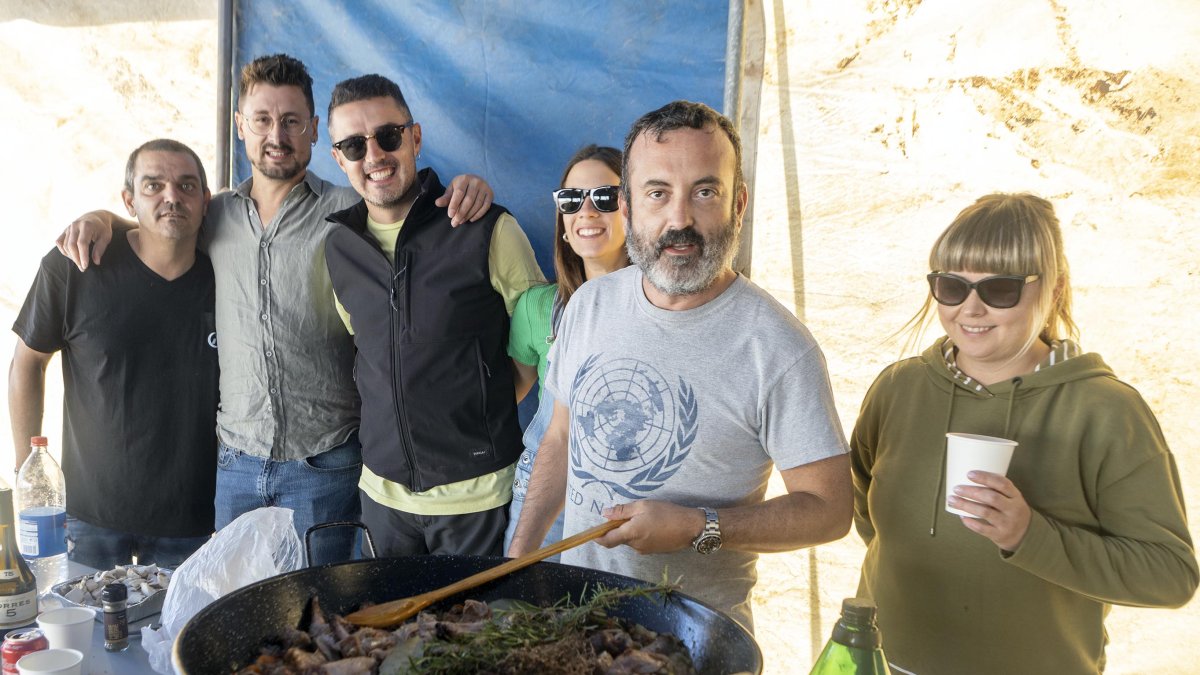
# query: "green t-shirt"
529, 331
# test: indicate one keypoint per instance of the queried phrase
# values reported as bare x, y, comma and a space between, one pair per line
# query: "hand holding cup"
972, 452
997, 509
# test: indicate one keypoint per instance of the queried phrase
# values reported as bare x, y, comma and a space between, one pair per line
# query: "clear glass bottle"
856, 647
42, 515
18, 587
116, 622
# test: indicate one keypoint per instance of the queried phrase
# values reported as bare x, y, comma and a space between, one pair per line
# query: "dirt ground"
879, 120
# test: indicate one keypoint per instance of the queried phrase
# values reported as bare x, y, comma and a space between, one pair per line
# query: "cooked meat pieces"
601, 645
359, 665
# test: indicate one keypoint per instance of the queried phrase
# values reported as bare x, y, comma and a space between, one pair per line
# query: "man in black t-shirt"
139, 371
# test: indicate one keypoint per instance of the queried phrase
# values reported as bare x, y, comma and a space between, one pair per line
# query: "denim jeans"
532, 439
319, 489
104, 549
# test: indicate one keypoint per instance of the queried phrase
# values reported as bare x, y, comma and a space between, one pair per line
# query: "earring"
564, 236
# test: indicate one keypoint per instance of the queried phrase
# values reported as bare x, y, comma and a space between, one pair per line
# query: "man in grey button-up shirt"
288, 421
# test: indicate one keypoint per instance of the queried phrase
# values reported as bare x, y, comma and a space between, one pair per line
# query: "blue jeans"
319, 489
532, 439
104, 549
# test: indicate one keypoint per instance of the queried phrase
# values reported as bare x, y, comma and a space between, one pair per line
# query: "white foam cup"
69, 628
972, 452
51, 662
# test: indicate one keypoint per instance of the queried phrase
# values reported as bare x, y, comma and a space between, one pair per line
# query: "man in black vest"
428, 305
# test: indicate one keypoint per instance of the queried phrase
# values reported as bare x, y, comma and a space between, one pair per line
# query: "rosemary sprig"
520, 626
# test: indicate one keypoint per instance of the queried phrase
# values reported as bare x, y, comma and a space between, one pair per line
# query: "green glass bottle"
856, 646
18, 587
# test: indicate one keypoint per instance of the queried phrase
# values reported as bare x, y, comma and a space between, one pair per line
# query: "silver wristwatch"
709, 539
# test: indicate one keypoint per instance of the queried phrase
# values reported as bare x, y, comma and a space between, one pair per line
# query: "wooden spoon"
391, 613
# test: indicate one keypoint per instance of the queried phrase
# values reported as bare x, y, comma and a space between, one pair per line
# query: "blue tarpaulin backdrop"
506, 90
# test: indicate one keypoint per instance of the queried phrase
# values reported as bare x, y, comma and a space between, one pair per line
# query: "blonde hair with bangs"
1016, 234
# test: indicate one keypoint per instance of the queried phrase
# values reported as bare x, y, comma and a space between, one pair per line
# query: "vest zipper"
393, 309
485, 374
397, 392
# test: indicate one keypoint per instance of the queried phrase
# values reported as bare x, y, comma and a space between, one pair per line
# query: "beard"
278, 171
387, 197
683, 275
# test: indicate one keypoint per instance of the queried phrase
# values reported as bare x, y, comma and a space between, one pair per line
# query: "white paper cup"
971, 452
51, 662
69, 628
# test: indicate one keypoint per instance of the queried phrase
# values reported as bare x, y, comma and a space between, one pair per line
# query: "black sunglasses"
570, 200
1001, 291
389, 137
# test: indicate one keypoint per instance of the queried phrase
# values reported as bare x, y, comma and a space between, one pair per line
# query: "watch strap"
709, 539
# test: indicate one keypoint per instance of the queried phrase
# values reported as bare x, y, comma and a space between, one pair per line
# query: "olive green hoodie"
1108, 521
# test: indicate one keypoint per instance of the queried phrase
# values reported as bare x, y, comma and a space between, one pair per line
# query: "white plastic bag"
258, 545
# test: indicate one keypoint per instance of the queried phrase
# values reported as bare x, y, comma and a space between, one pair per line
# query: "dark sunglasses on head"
570, 200
389, 137
1001, 291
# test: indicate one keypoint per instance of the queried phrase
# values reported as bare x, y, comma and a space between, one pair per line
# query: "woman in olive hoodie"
1090, 513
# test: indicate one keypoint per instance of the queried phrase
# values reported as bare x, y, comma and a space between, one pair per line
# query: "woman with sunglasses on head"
589, 242
1091, 512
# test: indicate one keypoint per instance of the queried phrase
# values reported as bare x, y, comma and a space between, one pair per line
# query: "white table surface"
132, 661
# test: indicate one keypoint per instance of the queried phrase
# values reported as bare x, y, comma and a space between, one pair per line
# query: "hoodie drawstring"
937, 493
1012, 397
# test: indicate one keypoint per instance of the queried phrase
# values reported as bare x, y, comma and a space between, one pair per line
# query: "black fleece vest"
432, 368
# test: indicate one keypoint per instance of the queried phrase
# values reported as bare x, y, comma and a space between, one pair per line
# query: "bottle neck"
856, 637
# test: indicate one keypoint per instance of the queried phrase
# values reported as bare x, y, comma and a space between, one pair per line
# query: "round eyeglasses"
261, 124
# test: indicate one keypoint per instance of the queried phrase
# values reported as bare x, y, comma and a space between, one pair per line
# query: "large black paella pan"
228, 633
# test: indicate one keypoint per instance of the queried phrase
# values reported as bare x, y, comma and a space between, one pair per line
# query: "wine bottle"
856, 647
18, 587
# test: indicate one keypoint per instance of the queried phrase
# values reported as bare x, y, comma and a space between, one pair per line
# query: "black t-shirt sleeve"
41, 321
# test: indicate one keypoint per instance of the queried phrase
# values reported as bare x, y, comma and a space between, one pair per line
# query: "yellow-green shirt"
513, 270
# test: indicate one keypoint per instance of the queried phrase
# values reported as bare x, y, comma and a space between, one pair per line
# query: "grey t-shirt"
691, 407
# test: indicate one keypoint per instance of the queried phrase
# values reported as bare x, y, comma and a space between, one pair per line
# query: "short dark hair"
278, 70
162, 145
681, 115
366, 87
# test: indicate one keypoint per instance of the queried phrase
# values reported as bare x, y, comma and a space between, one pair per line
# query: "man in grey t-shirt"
684, 383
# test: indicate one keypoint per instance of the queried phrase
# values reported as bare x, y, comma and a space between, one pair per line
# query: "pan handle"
336, 523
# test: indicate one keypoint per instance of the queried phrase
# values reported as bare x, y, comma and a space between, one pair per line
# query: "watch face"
708, 544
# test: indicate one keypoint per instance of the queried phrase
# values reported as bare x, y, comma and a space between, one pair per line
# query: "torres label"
18, 609
5, 575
